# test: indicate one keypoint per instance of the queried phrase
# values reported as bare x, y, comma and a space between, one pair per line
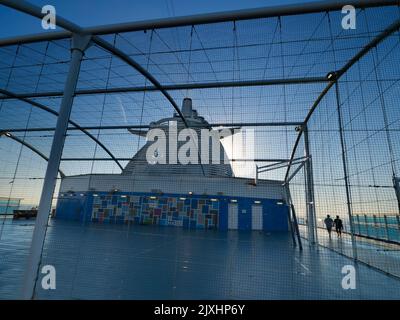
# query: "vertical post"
398, 227
291, 225
312, 227
358, 223
346, 179
288, 202
396, 185
296, 224
387, 228
366, 224
79, 45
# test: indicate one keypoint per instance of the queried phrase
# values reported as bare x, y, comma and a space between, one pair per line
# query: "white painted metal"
179, 184
311, 216
233, 216
257, 217
79, 44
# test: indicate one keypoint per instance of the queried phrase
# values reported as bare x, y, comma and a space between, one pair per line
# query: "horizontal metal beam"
383, 35
44, 129
259, 160
174, 87
295, 172
128, 159
117, 127
94, 159
33, 38
237, 15
29, 146
258, 124
279, 162
139, 68
275, 167
395, 26
49, 110
35, 11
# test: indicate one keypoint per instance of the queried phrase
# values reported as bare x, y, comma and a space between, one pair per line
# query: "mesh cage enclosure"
317, 103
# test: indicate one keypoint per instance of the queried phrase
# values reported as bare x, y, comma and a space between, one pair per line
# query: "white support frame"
79, 45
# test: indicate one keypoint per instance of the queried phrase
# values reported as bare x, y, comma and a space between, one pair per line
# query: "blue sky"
98, 12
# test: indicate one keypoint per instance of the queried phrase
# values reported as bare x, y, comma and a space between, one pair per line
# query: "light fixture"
153, 197
233, 200
182, 198
257, 202
331, 75
95, 195
214, 200
123, 196
190, 193
8, 134
82, 194
280, 202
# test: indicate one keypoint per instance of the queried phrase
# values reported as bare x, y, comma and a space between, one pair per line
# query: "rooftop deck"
146, 262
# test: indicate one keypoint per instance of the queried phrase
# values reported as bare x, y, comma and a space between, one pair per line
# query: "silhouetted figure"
328, 223
338, 226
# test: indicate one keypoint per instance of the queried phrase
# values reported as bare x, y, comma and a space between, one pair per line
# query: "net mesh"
353, 156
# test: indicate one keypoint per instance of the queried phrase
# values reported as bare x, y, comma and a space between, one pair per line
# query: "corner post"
79, 44
345, 171
311, 217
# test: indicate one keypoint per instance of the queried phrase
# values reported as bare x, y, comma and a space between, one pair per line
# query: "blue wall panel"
70, 207
275, 217
223, 216
244, 215
196, 211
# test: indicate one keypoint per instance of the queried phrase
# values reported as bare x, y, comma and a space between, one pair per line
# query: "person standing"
338, 226
328, 224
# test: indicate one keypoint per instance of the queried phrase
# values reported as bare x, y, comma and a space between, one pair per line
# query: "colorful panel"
175, 211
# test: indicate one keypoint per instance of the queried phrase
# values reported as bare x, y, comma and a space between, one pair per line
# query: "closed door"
232, 216
256, 217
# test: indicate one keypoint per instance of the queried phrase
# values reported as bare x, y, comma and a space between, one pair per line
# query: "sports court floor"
146, 262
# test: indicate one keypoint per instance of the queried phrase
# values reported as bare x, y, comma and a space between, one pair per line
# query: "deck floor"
148, 262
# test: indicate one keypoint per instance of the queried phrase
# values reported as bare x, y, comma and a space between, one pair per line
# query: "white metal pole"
256, 180
345, 171
312, 227
79, 44
314, 212
396, 185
